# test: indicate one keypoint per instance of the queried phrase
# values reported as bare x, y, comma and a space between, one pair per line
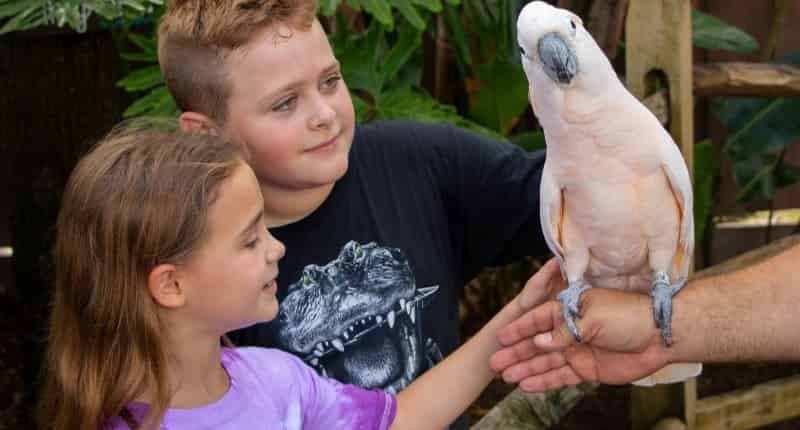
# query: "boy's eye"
331, 81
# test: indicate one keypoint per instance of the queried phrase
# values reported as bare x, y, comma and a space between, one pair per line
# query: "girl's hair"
140, 198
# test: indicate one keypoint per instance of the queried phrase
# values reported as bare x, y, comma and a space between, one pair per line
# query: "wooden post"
658, 45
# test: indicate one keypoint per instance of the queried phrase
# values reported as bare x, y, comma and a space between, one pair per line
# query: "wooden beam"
747, 79
658, 43
606, 21
750, 408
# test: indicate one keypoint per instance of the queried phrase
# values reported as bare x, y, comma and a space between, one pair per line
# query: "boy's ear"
195, 122
165, 288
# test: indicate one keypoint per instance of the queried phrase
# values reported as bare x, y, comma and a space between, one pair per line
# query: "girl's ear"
195, 122
165, 288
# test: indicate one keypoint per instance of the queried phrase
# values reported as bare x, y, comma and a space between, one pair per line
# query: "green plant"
19, 15
760, 131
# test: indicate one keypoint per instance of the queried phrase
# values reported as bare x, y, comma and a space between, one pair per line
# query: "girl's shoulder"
270, 363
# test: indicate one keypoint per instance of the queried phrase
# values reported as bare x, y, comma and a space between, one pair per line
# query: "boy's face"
230, 278
290, 108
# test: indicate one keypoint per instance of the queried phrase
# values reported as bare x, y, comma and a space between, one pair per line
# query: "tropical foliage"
387, 47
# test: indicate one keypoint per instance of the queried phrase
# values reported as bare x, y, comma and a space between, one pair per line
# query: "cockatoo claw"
570, 304
662, 293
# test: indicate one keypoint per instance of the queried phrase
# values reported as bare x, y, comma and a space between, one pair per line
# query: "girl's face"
230, 279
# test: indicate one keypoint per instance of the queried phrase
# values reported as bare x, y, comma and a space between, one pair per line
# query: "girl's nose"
275, 250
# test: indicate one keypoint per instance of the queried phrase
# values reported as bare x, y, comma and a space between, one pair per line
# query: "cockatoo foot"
570, 303
662, 293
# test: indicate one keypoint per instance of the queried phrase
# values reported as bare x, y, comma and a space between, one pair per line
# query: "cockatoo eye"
572, 24
522, 51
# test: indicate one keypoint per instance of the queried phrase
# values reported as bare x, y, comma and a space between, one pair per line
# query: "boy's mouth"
328, 144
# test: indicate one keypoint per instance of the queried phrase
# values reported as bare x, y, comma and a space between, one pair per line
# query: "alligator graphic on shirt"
357, 319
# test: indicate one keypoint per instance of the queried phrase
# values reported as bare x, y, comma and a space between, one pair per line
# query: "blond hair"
140, 198
196, 36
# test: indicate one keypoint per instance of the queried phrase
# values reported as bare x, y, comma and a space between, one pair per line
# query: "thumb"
539, 286
555, 340
559, 338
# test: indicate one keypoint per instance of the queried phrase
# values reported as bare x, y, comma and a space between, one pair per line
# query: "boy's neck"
283, 207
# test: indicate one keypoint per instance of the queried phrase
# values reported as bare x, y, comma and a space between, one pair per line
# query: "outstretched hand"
620, 342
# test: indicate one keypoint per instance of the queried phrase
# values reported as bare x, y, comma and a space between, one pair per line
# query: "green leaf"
501, 95
704, 170
411, 103
359, 55
328, 7
158, 102
409, 41
140, 57
13, 8
146, 44
759, 131
434, 6
710, 32
29, 18
380, 10
106, 9
142, 79
410, 13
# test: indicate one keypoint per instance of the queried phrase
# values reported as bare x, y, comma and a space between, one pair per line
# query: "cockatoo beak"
558, 58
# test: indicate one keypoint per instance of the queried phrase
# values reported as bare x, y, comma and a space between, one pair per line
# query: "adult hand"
620, 343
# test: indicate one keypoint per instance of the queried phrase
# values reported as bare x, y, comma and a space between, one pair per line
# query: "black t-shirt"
370, 283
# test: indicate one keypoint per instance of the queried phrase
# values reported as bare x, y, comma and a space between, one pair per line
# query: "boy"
389, 219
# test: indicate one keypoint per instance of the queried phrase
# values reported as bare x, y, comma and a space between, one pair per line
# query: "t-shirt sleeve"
491, 190
329, 404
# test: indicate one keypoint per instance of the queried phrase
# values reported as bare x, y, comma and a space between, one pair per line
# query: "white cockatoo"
616, 197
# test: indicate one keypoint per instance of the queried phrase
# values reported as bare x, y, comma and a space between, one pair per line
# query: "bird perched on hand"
616, 196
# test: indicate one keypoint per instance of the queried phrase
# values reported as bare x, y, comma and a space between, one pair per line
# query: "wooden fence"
659, 46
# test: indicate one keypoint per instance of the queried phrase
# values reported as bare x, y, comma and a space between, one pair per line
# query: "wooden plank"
747, 79
658, 43
750, 408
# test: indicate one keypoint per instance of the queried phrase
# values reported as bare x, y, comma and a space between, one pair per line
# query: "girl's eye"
252, 244
285, 105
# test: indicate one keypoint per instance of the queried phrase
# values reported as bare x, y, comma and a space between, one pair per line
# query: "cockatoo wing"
551, 213
678, 176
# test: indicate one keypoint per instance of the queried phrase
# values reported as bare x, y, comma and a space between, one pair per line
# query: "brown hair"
139, 199
195, 37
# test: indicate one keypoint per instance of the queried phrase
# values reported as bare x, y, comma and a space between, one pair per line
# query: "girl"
161, 249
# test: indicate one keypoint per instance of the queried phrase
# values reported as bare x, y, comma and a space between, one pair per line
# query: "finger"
537, 365
540, 319
506, 357
539, 286
552, 380
558, 339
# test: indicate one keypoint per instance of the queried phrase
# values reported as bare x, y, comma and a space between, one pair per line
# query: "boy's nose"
324, 114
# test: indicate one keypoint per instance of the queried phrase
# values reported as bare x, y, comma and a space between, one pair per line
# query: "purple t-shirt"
271, 389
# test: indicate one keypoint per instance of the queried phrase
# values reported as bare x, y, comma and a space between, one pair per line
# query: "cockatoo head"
550, 41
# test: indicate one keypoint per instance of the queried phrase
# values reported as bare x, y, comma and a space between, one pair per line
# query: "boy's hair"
140, 198
195, 37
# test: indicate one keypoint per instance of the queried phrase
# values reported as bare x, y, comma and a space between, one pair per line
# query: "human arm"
440, 395
747, 315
